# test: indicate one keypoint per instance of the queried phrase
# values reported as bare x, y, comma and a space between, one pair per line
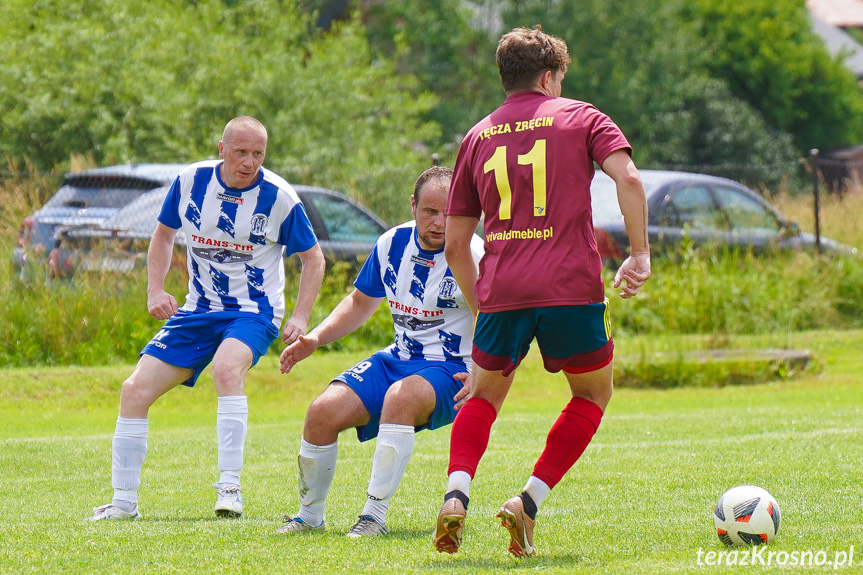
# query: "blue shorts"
191, 339
576, 339
371, 378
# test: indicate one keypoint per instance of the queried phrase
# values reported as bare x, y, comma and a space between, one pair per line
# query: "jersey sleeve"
369, 280
605, 137
170, 214
296, 232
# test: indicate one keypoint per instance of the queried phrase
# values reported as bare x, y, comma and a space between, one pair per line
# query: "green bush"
734, 292
102, 318
99, 319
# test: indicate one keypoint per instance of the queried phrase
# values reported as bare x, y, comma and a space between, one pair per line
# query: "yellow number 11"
497, 163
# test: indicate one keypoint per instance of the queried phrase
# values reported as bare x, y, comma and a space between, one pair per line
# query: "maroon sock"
469, 435
567, 440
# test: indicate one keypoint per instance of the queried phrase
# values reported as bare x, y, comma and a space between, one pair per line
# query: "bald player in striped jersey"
239, 219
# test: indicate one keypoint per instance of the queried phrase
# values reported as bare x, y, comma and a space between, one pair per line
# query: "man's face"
243, 153
429, 214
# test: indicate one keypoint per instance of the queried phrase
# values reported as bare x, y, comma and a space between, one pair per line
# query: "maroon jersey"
528, 167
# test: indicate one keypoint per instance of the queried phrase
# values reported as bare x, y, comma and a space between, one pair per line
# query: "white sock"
460, 481
395, 445
537, 489
232, 420
128, 450
317, 467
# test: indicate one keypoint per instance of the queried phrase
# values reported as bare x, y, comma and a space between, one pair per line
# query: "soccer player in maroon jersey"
527, 167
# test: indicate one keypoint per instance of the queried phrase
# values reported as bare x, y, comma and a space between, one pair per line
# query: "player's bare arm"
311, 277
348, 316
160, 304
459, 231
635, 270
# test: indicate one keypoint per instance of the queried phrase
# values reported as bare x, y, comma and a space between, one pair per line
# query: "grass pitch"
639, 501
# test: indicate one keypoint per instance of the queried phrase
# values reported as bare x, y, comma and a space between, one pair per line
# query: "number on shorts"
361, 367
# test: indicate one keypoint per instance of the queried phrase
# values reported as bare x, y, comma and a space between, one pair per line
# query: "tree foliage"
157, 81
770, 58
359, 104
642, 65
450, 53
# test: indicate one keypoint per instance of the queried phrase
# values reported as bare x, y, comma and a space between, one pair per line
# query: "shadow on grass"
506, 562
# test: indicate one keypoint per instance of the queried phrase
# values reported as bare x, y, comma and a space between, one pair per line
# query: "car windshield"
745, 213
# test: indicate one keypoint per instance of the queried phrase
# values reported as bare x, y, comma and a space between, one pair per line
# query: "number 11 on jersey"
535, 158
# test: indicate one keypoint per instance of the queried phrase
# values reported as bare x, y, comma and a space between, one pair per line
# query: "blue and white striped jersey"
236, 239
431, 317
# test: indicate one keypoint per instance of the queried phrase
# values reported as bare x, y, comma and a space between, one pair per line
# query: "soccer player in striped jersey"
416, 383
239, 219
527, 167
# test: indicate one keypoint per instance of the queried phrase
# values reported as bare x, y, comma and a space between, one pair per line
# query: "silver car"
85, 198
704, 210
346, 230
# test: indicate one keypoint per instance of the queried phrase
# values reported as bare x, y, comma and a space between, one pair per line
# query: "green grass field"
639, 501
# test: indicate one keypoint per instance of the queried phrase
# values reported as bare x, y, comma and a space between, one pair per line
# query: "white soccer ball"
746, 515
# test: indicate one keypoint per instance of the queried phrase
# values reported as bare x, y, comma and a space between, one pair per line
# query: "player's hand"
632, 274
293, 329
464, 393
161, 304
303, 347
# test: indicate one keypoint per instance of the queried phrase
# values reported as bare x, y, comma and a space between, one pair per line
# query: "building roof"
841, 13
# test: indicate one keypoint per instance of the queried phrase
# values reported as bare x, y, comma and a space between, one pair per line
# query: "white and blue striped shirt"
236, 239
430, 315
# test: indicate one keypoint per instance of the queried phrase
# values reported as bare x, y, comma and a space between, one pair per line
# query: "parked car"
346, 230
707, 210
85, 198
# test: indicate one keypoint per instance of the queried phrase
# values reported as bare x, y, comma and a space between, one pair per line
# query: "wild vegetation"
97, 319
359, 101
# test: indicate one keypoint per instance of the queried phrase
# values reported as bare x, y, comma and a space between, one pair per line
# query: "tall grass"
838, 214
100, 319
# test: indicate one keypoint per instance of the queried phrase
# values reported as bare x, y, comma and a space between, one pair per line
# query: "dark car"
706, 210
346, 230
85, 198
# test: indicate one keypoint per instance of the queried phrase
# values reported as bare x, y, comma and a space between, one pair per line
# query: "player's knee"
400, 396
135, 394
227, 379
408, 402
323, 416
